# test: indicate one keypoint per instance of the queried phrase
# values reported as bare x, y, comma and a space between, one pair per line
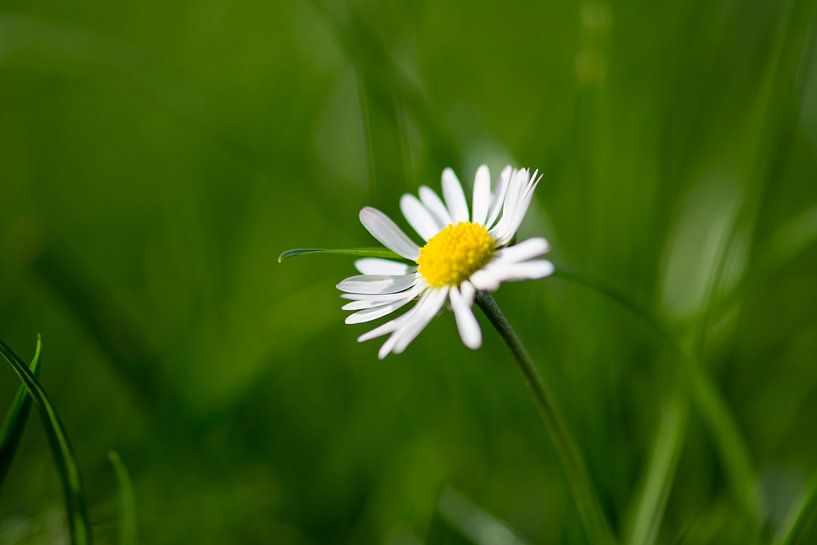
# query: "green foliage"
15, 421
156, 157
78, 524
359, 252
127, 502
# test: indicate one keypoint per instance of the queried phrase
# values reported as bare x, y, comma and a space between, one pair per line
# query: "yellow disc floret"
455, 253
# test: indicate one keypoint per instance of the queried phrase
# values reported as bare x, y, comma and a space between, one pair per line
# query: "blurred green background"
156, 157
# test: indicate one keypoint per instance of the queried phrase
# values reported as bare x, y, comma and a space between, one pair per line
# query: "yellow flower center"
455, 253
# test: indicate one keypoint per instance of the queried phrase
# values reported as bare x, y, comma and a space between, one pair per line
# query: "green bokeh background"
156, 157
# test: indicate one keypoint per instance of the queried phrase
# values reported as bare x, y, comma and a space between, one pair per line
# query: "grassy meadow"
156, 157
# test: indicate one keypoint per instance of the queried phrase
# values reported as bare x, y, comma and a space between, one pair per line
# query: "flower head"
464, 252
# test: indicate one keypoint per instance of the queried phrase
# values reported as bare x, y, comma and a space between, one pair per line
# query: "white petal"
527, 249
370, 314
375, 265
394, 326
413, 320
388, 233
482, 195
486, 279
377, 283
435, 205
466, 322
516, 206
498, 197
529, 270
454, 196
436, 299
382, 329
370, 301
418, 216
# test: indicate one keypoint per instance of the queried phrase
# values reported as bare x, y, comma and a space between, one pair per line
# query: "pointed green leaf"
359, 252
15, 422
78, 523
127, 501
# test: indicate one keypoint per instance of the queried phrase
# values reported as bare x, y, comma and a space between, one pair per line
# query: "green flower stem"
573, 464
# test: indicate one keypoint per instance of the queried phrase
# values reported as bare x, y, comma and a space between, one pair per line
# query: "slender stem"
573, 464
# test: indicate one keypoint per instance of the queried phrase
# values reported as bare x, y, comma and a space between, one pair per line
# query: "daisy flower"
463, 252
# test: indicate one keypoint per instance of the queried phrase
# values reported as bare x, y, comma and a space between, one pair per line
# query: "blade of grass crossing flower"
78, 523
798, 514
652, 500
127, 501
573, 464
15, 422
358, 252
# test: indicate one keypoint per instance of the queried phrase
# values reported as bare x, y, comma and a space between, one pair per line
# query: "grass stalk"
79, 525
573, 464
127, 501
14, 424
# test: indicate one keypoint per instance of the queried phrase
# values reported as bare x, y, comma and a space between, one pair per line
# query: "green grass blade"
705, 396
359, 252
15, 422
652, 500
473, 523
798, 515
78, 524
127, 501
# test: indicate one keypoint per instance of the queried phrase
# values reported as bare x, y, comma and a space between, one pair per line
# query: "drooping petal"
409, 325
424, 315
482, 195
435, 205
527, 249
454, 196
361, 301
377, 283
383, 329
418, 216
370, 314
388, 233
392, 326
376, 265
467, 325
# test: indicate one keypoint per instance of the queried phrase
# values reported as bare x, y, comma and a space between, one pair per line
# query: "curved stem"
574, 466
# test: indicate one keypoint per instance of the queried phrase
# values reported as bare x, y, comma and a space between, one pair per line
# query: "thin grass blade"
127, 501
471, 523
79, 525
660, 473
799, 514
704, 395
359, 252
15, 422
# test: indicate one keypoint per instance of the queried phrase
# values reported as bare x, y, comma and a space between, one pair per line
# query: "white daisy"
464, 252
